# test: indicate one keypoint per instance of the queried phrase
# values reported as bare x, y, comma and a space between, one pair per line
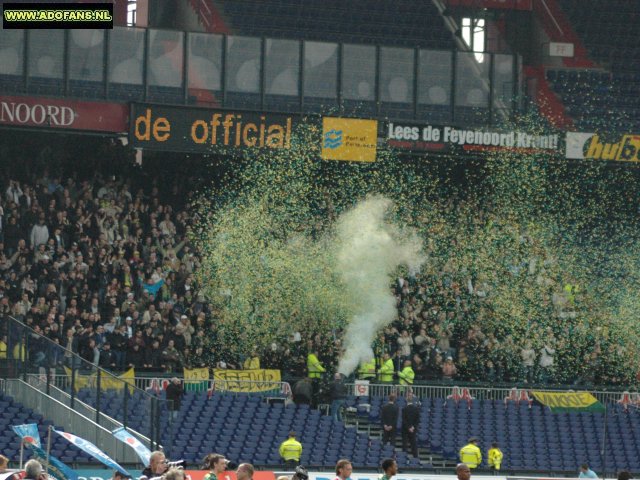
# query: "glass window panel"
320, 69
86, 54
165, 58
243, 64
282, 67
205, 60
359, 72
126, 55
503, 82
11, 52
472, 81
46, 53
434, 77
396, 75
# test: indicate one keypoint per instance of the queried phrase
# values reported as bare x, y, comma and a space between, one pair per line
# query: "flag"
55, 467
28, 433
143, 452
92, 450
569, 401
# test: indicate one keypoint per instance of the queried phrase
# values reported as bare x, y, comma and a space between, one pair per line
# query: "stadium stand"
13, 413
406, 23
609, 95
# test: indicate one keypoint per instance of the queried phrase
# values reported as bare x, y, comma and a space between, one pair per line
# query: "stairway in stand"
427, 459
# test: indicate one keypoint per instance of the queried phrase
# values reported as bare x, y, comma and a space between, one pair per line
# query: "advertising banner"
399, 476
569, 401
202, 130
593, 146
63, 113
102, 474
247, 380
444, 138
349, 139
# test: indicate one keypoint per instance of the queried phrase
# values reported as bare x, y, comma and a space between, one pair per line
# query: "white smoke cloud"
369, 249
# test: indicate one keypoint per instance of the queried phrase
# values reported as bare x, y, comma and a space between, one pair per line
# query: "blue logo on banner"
333, 139
92, 450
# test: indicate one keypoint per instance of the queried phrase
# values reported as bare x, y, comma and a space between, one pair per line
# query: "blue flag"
55, 468
143, 452
28, 433
92, 450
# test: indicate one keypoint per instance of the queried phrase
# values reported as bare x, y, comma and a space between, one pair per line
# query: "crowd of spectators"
102, 266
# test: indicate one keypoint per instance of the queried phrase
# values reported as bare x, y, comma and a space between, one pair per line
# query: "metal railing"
35, 358
476, 392
61, 383
73, 420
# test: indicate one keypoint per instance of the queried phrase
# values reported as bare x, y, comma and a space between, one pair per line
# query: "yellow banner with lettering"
196, 379
568, 401
107, 382
247, 380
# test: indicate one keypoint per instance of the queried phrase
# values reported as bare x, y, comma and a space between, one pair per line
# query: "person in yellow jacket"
367, 370
314, 367
407, 374
252, 362
385, 374
291, 451
471, 454
494, 457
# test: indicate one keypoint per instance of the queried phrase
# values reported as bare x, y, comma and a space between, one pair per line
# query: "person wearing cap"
291, 451
470, 454
216, 464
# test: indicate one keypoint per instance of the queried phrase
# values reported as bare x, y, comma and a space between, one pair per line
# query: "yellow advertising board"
349, 139
260, 380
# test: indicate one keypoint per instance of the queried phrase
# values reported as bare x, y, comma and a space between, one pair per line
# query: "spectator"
338, 393
586, 472
174, 397
528, 356
449, 371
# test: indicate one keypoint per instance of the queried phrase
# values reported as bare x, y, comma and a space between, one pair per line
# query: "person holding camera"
157, 466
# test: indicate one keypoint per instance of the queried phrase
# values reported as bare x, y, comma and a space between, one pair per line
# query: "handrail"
72, 420
80, 406
477, 392
221, 386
